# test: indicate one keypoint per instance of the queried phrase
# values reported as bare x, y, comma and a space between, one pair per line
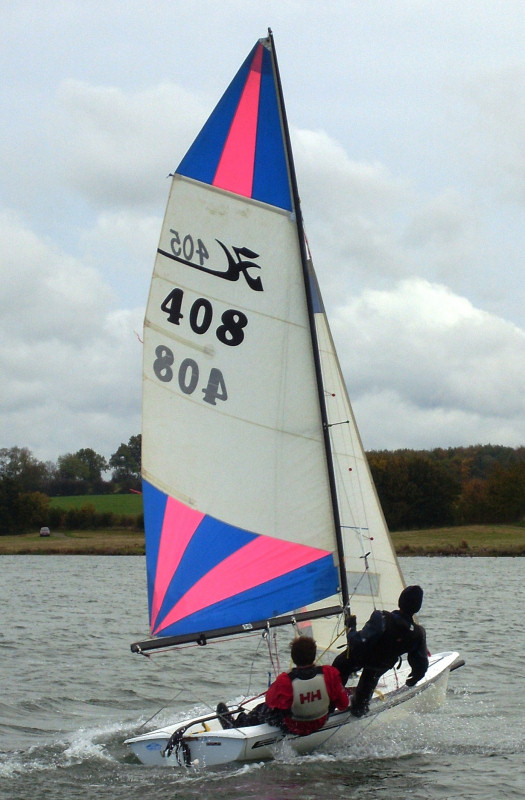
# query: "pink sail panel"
235, 169
171, 548
258, 562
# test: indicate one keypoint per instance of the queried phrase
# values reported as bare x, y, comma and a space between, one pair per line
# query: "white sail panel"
373, 573
249, 451
363, 524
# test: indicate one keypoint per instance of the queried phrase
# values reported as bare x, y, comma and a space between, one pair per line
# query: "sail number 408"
188, 375
230, 332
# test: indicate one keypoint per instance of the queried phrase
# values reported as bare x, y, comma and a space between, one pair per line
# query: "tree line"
26, 484
481, 484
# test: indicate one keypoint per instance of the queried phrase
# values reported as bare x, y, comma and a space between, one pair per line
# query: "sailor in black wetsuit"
378, 645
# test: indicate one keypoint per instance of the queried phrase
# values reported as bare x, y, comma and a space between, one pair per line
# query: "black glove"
351, 622
411, 681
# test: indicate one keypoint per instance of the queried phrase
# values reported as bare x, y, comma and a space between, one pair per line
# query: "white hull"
205, 744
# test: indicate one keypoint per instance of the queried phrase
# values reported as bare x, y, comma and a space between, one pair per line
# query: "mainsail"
258, 500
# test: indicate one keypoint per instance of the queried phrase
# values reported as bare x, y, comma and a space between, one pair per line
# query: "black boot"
224, 716
358, 709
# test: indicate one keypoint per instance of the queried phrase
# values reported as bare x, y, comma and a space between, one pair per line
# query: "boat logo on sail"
239, 262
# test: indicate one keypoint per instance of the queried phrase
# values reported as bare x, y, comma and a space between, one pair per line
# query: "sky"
408, 127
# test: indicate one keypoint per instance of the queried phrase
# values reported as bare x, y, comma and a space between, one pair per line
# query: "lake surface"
71, 692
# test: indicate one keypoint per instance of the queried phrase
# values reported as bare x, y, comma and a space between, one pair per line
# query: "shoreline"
468, 540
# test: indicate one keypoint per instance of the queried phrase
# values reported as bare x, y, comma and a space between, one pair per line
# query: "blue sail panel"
200, 162
154, 505
241, 147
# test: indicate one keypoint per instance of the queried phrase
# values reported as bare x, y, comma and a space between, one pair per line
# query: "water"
71, 692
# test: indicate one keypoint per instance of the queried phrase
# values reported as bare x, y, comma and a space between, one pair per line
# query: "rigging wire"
273, 655
262, 638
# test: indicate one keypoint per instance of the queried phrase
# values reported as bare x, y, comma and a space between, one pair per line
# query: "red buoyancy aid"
310, 697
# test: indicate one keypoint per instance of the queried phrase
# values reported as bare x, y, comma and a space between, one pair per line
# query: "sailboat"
259, 506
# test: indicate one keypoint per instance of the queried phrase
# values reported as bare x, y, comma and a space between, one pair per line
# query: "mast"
313, 332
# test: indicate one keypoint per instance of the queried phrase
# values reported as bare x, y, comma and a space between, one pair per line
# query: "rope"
273, 655
250, 673
277, 669
273, 661
161, 708
329, 646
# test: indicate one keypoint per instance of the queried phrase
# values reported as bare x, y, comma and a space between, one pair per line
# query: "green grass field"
117, 503
467, 540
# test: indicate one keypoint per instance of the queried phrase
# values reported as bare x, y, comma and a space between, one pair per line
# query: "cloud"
443, 231
350, 211
115, 146
367, 227
411, 165
432, 364
121, 245
497, 130
70, 362
47, 293
390, 422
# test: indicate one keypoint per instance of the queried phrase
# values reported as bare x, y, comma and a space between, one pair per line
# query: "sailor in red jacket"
299, 700
307, 692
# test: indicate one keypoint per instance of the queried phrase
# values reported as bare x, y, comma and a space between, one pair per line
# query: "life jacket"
399, 635
361, 642
310, 695
402, 630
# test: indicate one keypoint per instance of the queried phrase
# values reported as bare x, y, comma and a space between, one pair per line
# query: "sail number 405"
187, 247
188, 375
230, 332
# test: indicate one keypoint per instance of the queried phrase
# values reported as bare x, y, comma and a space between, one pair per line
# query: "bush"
55, 517
130, 521
88, 518
31, 510
78, 518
